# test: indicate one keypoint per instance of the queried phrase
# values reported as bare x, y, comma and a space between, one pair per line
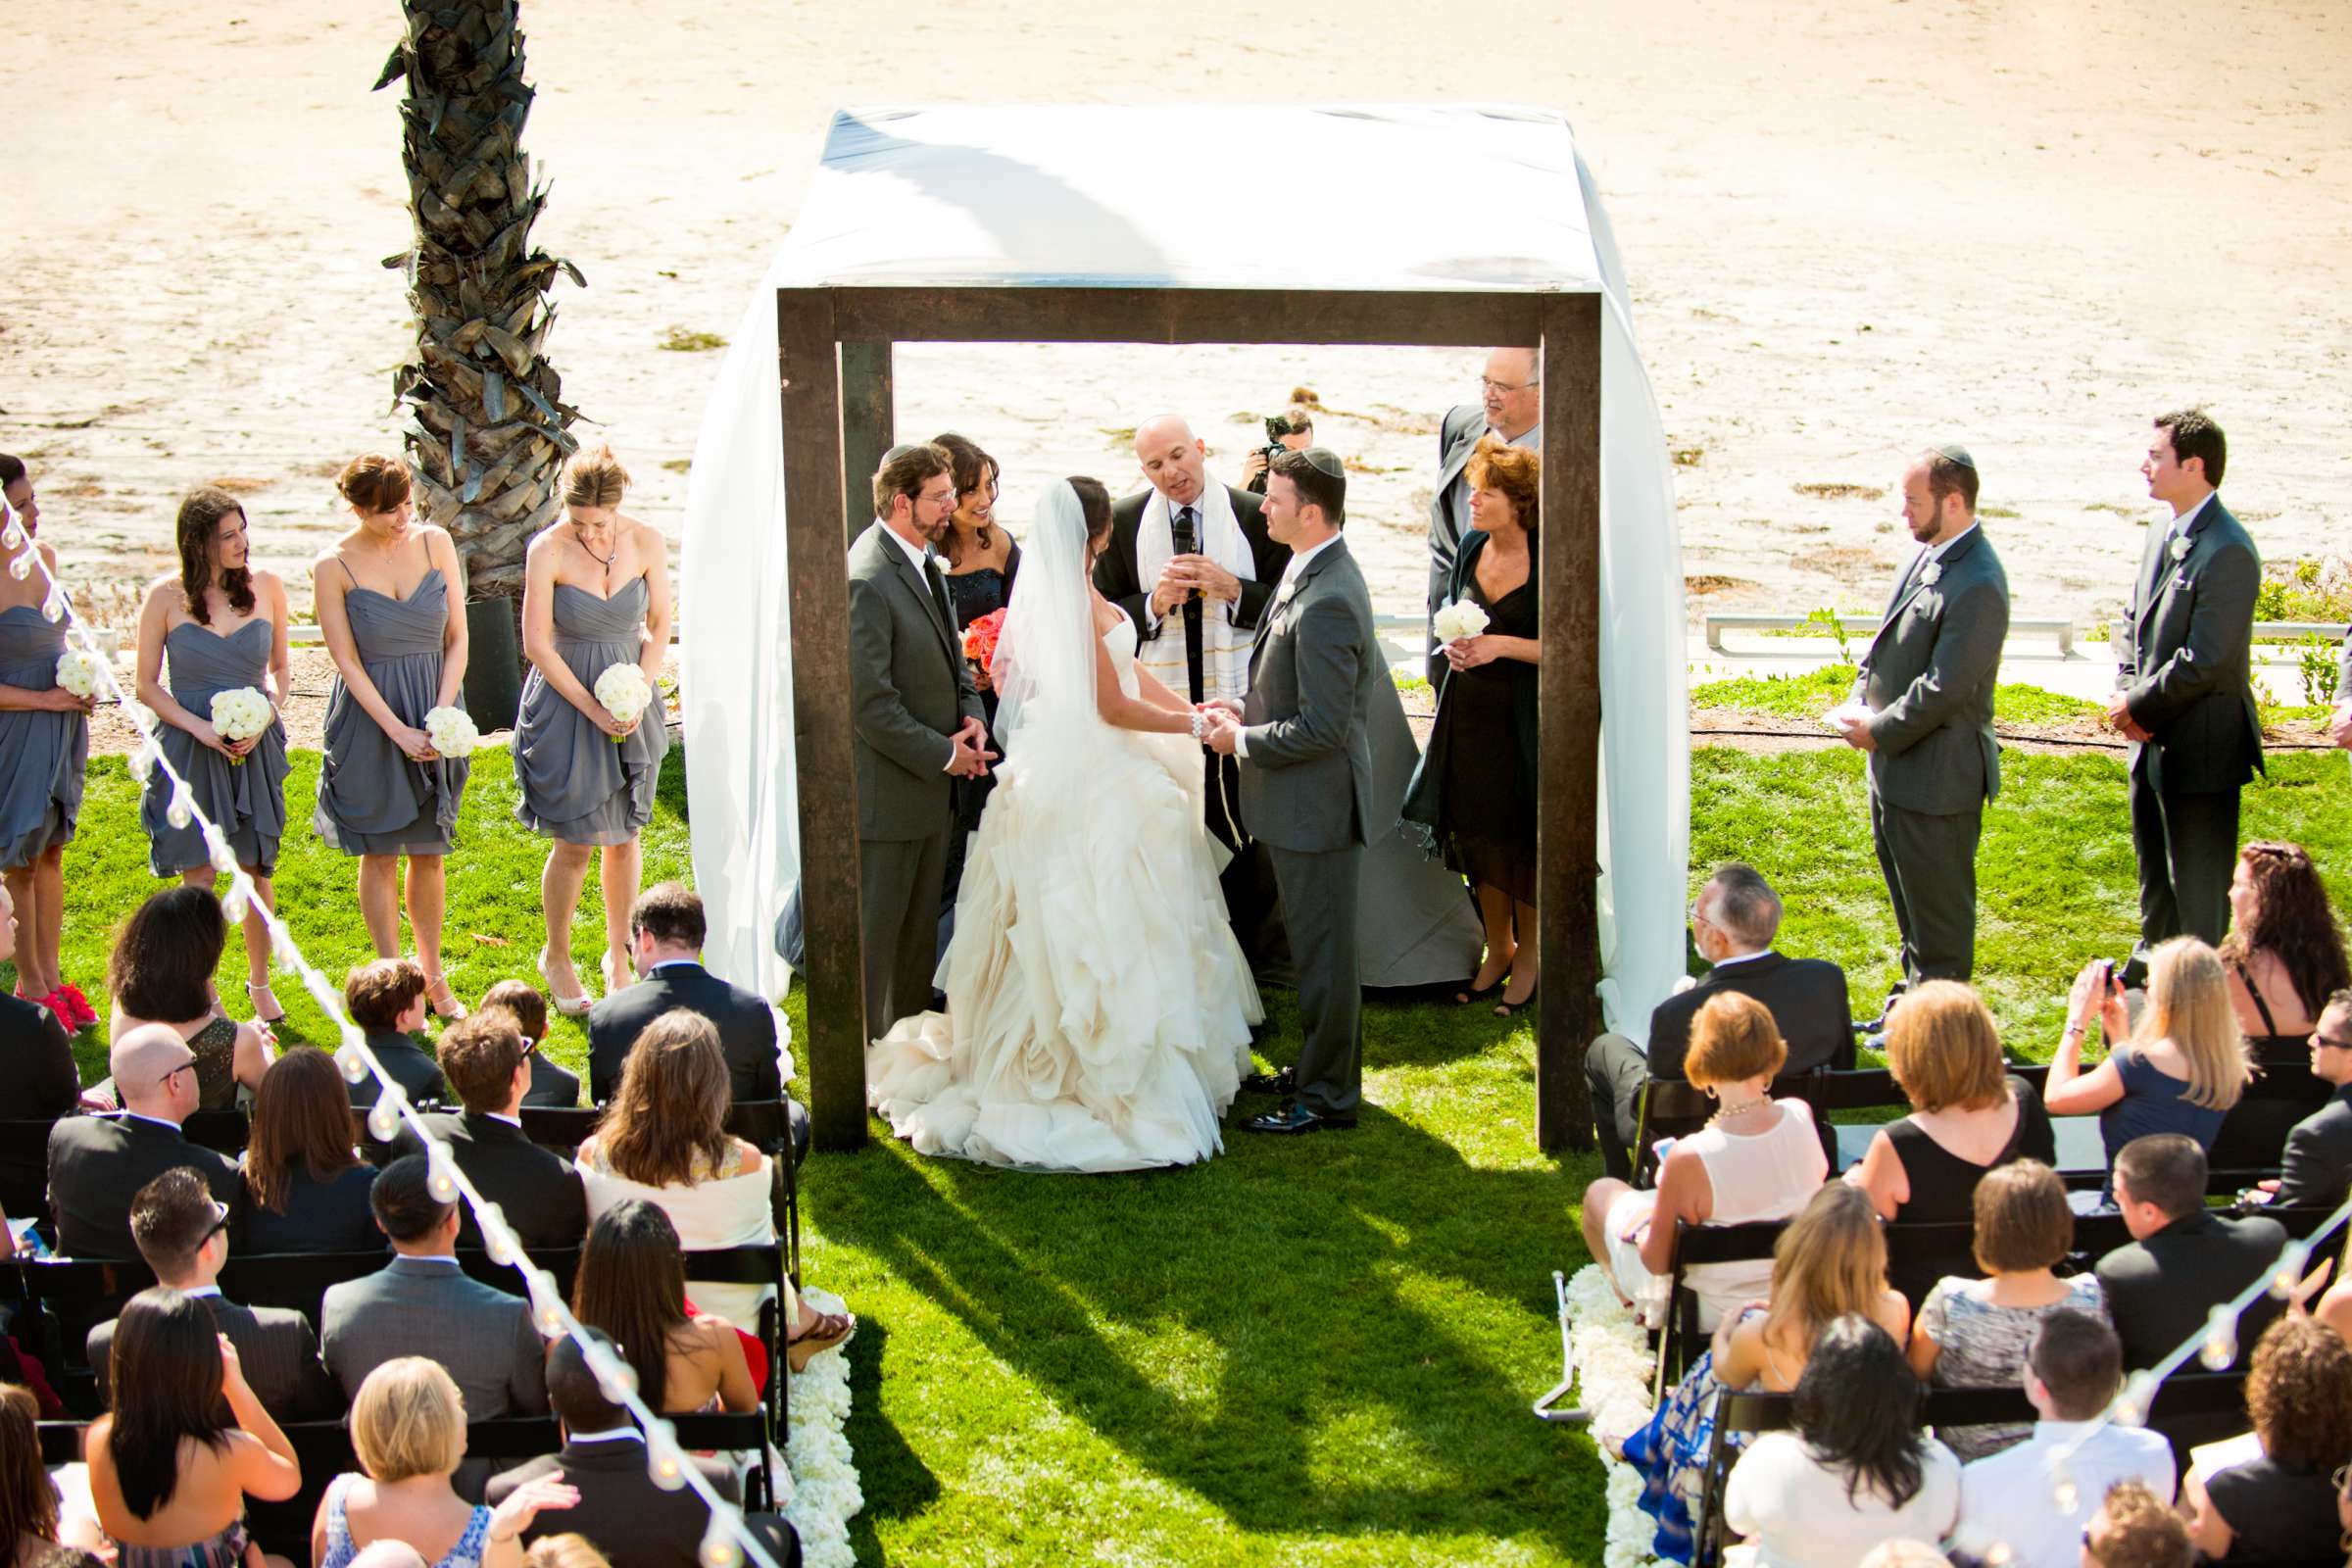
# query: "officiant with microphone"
1191, 564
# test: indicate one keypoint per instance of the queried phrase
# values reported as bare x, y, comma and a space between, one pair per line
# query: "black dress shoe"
1285, 1082
1295, 1118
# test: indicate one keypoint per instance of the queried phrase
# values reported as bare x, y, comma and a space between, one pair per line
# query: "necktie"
1188, 534
939, 596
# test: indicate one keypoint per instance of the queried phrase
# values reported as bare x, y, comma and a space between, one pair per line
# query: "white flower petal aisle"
821, 1492
1613, 1366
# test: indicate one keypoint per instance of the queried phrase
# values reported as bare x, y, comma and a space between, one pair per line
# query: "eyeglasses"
2319, 1038
2338, 1479
188, 1066
220, 1223
1492, 385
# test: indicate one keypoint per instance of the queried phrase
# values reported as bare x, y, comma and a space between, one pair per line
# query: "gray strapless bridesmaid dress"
577, 785
42, 755
248, 800
371, 798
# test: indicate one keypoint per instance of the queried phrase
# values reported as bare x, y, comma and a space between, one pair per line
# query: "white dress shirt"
2010, 1498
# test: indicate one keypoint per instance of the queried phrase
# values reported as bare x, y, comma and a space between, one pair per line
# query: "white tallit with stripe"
1224, 647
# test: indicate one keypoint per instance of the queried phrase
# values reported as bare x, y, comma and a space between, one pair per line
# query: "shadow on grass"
1310, 1333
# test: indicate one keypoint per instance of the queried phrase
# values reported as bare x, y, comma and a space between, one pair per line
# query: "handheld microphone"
1184, 536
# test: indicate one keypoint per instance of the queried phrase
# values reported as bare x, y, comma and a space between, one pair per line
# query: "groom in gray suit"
919, 727
1921, 707
1306, 773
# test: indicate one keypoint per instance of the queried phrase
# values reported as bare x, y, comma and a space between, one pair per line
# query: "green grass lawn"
1318, 1350
1812, 693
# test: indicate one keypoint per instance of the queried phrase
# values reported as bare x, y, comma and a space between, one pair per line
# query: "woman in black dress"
982, 559
2285, 956
1473, 799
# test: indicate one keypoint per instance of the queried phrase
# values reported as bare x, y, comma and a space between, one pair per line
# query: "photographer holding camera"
1294, 431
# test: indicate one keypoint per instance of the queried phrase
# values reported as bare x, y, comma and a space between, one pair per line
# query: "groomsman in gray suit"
1306, 773
1511, 404
919, 724
2185, 695
1921, 707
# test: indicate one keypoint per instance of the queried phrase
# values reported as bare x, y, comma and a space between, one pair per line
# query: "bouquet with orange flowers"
980, 643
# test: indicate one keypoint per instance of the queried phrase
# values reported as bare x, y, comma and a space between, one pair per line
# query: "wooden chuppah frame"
834, 363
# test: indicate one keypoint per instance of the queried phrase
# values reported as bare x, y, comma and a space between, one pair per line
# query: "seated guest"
408, 1430
2284, 951
2136, 1528
2183, 1261
2280, 1506
666, 936
620, 1508
1973, 1333
1855, 1469
1969, 1114
552, 1086
538, 1191
664, 1140
421, 1303
168, 1475
182, 1232
2074, 1366
41, 1082
162, 972
386, 998
632, 1285
97, 1164
2317, 1168
2179, 1071
1755, 1159
1732, 921
1831, 1262
29, 1519
305, 1188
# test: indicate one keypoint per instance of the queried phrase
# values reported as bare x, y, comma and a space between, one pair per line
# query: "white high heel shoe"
574, 1006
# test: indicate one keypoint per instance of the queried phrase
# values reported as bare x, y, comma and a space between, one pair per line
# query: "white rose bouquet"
239, 715
623, 691
1460, 619
452, 731
78, 673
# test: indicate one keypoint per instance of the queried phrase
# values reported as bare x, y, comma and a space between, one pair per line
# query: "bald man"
1510, 403
1192, 564
97, 1164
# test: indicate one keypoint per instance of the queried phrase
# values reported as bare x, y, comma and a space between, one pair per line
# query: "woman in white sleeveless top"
1757, 1159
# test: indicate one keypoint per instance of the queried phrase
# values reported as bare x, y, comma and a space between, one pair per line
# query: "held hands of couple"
1184, 576
1223, 724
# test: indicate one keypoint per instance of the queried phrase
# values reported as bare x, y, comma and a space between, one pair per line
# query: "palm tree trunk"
489, 429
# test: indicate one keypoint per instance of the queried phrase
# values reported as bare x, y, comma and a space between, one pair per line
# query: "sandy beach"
1850, 229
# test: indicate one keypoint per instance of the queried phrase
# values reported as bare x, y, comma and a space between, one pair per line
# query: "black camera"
1278, 425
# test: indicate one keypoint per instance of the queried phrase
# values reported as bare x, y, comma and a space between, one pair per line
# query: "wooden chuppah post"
868, 421
1568, 748
816, 557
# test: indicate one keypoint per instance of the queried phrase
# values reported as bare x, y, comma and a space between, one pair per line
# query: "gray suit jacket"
275, 1347
413, 1306
1306, 775
2182, 653
1456, 438
909, 691
1928, 680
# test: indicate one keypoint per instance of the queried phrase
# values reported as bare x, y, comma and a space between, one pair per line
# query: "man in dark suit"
919, 727
1306, 775
1511, 404
2185, 694
386, 998
536, 1188
97, 1164
1190, 562
666, 929
1921, 707
630, 1518
2317, 1168
1733, 920
421, 1303
182, 1232
2183, 1261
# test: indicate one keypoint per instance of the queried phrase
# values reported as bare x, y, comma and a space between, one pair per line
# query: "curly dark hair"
2299, 1393
200, 514
2292, 922
162, 967
1857, 1409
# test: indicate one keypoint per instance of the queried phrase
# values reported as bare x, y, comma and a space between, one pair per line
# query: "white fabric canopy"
1050, 196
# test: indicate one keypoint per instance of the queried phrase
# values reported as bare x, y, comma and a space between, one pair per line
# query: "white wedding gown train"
1099, 1008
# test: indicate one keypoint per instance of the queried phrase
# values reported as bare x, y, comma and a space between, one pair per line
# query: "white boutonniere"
1929, 572
2180, 550
1284, 594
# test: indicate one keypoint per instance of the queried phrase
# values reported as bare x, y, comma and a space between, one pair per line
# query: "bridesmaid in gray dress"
45, 743
596, 593
223, 625
391, 603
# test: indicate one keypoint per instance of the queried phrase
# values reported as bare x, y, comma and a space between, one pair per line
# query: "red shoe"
84, 1016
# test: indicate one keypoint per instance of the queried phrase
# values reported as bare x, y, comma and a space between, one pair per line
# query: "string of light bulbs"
727, 1541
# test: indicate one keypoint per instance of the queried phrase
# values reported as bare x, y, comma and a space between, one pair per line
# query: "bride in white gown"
1099, 1008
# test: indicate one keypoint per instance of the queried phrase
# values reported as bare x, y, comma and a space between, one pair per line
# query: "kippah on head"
1953, 452
899, 451
1325, 460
